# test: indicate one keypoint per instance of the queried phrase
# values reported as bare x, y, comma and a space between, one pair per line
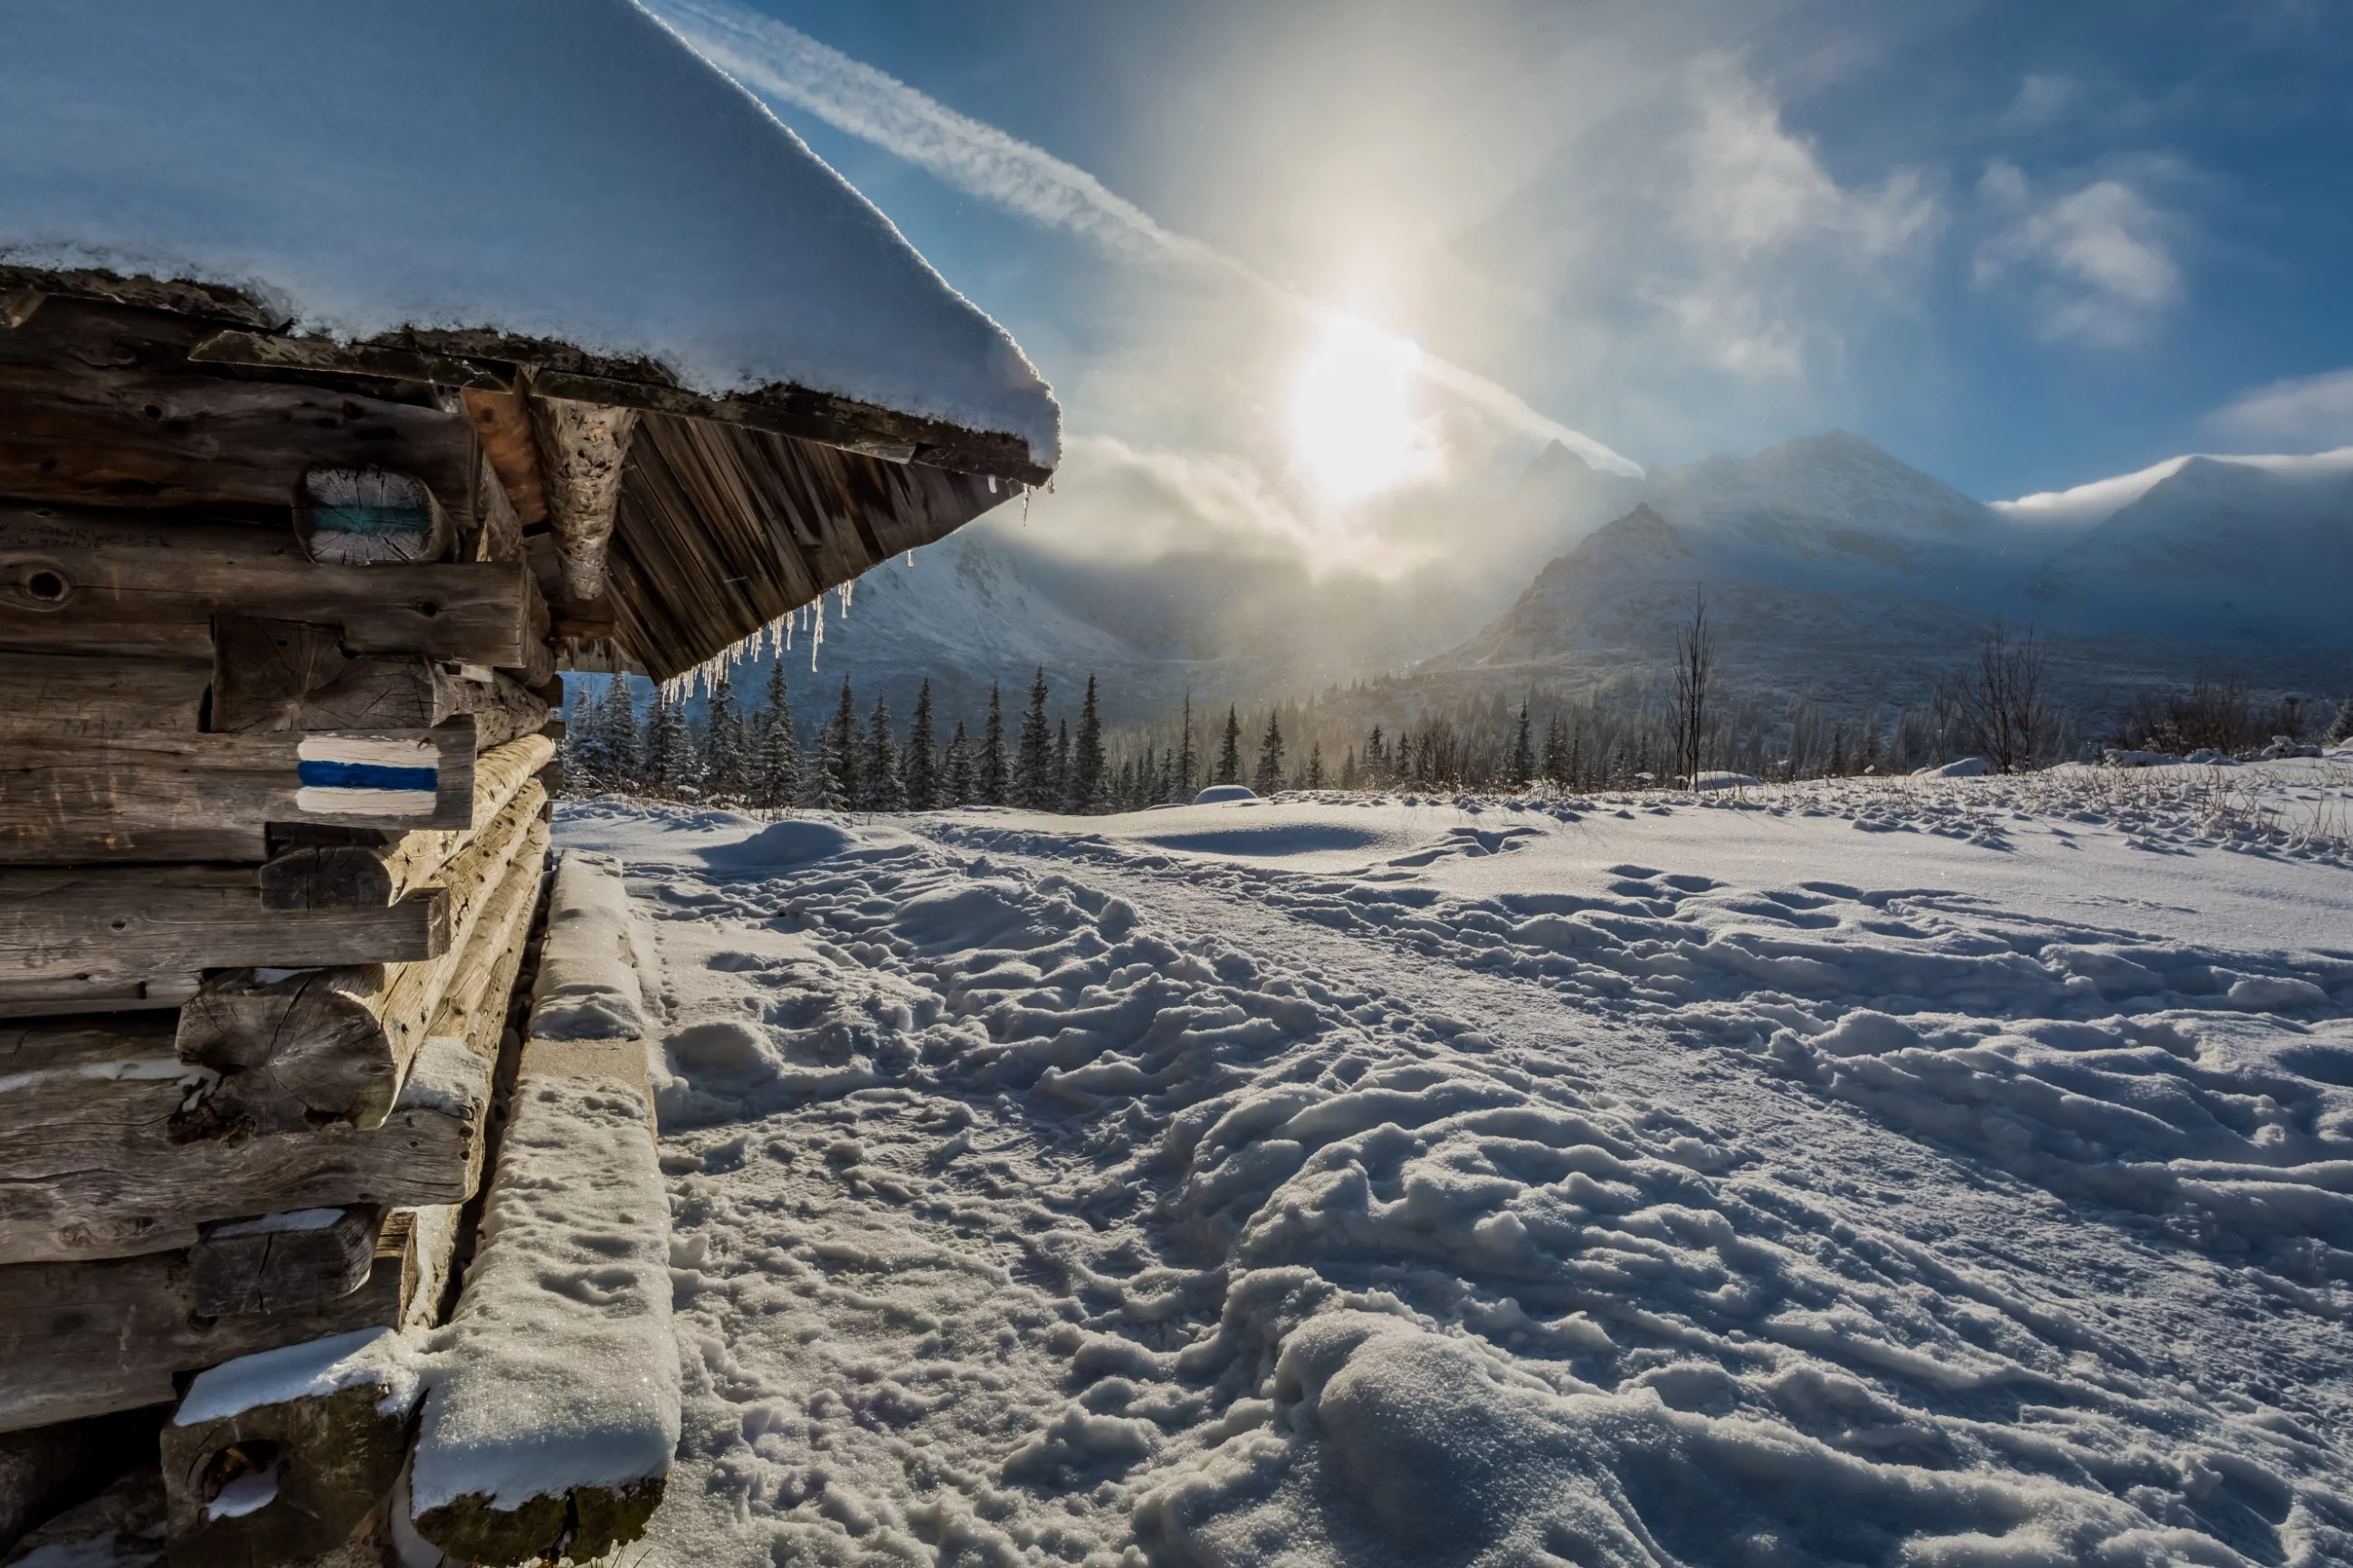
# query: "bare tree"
1695, 666
2003, 705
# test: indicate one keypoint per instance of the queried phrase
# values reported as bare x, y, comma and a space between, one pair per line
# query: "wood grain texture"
72, 931
66, 698
332, 1044
83, 1339
195, 797
256, 1265
721, 530
97, 1156
148, 585
502, 425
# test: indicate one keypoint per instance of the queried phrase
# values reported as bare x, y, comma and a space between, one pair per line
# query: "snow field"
1136, 1195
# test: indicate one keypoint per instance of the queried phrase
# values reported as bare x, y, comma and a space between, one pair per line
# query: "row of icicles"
775, 636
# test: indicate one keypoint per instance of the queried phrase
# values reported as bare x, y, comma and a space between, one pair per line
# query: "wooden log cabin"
287, 585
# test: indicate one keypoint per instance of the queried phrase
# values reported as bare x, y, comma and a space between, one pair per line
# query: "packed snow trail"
1046, 1194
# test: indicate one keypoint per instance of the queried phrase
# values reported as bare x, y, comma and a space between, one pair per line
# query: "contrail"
786, 67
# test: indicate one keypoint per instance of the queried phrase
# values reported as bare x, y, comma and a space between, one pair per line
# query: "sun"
1353, 429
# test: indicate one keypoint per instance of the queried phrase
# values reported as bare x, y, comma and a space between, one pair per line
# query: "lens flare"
1353, 429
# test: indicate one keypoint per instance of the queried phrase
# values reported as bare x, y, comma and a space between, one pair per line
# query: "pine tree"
2340, 729
1087, 782
956, 777
726, 749
1350, 778
885, 789
584, 759
822, 780
1187, 767
1521, 770
777, 757
1229, 753
1556, 763
842, 747
1059, 786
616, 736
1269, 777
670, 748
1314, 777
1376, 759
1033, 764
992, 784
921, 769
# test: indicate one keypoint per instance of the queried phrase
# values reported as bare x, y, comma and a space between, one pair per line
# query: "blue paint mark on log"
357, 518
366, 775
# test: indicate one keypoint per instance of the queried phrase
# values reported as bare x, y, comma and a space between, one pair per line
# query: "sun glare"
1352, 425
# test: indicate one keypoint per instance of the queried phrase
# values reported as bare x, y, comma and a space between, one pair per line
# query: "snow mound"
793, 842
1220, 794
647, 207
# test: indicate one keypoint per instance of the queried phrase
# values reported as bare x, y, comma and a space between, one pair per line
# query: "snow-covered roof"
557, 170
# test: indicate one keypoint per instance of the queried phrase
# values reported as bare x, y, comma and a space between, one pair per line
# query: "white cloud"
1762, 224
2045, 99
2097, 257
2311, 412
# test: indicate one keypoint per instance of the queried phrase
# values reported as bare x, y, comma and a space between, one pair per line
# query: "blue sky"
2021, 246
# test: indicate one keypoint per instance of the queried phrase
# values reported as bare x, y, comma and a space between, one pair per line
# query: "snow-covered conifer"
583, 761
920, 767
992, 784
616, 736
957, 782
1314, 777
1059, 785
843, 748
886, 790
726, 749
1229, 750
1519, 771
1555, 762
776, 763
1088, 784
670, 748
1033, 763
1269, 777
1188, 763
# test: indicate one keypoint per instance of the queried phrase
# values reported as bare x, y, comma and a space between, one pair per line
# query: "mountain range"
1831, 571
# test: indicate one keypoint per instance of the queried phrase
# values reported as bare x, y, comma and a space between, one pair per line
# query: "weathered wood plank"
84, 580
59, 697
343, 876
326, 356
82, 1338
48, 1470
102, 1153
279, 1458
210, 797
287, 674
331, 1044
281, 1262
79, 433
122, 1527
94, 931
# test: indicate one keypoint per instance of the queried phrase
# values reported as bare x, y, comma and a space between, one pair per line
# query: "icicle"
816, 634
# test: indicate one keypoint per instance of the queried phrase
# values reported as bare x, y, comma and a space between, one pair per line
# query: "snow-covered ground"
1951, 1171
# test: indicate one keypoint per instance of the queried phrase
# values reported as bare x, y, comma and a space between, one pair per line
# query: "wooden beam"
92, 581
103, 1151
583, 447
326, 356
352, 876
287, 674
502, 425
86, 933
331, 1044
73, 433
286, 1456
62, 697
211, 798
281, 1262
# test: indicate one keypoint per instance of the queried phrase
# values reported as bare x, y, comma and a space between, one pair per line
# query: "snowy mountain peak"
1800, 491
